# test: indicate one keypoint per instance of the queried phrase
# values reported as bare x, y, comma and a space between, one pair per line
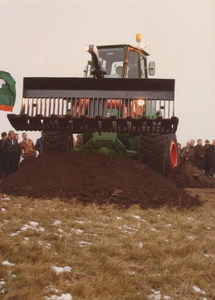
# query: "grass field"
57, 250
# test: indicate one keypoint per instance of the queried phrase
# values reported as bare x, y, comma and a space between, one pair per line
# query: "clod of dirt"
191, 177
100, 179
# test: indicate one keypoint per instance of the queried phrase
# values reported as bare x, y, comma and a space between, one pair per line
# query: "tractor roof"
123, 45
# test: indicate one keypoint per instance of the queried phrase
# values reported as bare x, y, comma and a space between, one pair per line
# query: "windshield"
112, 60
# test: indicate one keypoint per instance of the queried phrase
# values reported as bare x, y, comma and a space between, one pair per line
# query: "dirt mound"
191, 177
95, 178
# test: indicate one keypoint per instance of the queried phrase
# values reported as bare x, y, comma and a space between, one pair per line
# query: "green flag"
7, 91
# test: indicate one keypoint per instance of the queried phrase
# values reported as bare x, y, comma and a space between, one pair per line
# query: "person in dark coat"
199, 155
187, 156
10, 148
212, 159
38, 145
192, 142
2, 156
207, 157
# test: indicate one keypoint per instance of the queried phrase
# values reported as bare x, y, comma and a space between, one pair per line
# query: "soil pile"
97, 179
191, 177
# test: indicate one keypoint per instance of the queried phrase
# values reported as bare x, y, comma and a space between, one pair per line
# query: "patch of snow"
190, 219
59, 270
3, 209
33, 226
13, 234
136, 217
207, 255
131, 273
80, 222
78, 231
56, 223
66, 296
168, 225
198, 290
2, 282
6, 263
153, 229
191, 238
129, 228
83, 242
119, 218
5, 198
140, 244
208, 228
6, 221
166, 240
19, 205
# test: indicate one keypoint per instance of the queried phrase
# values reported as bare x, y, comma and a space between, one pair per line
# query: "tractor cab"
121, 61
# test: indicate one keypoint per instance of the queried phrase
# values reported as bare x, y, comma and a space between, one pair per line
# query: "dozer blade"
81, 105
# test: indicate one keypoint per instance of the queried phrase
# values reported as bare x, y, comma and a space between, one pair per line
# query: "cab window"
133, 68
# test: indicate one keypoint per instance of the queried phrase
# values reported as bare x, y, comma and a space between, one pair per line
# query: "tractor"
114, 109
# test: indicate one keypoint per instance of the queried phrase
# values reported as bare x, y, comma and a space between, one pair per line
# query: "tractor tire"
159, 152
53, 142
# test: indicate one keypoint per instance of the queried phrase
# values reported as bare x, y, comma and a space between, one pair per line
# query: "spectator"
180, 154
16, 136
2, 156
212, 158
78, 141
199, 155
187, 156
38, 144
192, 142
188, 143
207, 157
27, 148
10, 148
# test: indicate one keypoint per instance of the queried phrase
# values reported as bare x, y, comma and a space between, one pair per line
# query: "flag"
7, 91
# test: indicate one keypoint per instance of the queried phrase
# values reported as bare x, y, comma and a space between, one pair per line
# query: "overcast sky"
46, 38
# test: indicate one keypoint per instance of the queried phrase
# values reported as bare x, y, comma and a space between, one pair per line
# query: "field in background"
56, 250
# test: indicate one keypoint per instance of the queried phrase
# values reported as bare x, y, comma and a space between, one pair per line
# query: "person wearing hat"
207, 157
2, 156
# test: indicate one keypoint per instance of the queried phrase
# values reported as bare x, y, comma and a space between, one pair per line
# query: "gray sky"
46, 38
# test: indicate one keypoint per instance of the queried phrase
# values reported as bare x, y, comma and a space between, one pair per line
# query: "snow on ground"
59, 270
66, 296
6, 263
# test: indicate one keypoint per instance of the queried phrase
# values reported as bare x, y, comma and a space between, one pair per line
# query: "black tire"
159, 152
53, 142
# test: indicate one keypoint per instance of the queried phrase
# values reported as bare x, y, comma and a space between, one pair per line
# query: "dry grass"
109, 253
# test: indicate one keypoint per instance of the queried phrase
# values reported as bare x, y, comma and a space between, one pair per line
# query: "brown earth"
102, 179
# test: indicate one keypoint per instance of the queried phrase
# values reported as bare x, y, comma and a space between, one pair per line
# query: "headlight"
86, 48
141, 102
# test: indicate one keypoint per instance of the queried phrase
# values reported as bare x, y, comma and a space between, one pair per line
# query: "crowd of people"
12, 151
202, 157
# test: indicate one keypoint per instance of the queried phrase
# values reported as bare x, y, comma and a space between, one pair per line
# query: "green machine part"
112, 144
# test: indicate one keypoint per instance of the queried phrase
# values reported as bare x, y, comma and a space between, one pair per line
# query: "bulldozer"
114, 109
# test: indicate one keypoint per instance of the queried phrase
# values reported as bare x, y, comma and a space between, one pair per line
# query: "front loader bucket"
79, 105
